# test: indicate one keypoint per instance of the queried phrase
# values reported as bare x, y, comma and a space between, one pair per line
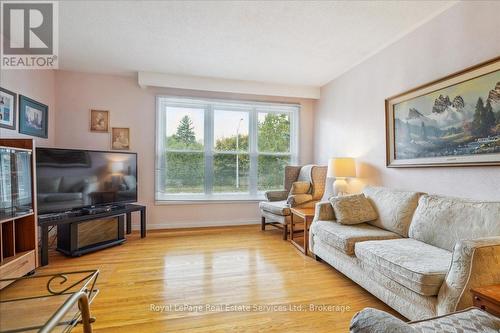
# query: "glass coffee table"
48, 302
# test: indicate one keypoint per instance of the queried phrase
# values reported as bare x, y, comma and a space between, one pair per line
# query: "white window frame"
253, 109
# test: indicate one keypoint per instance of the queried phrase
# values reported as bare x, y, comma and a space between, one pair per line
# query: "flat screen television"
69, 179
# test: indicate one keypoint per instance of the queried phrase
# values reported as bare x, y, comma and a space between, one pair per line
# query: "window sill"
192, 199
204, 202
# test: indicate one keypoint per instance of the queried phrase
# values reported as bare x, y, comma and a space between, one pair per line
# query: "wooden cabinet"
18, 221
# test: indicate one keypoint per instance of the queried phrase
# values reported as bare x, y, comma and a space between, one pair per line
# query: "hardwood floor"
236, 265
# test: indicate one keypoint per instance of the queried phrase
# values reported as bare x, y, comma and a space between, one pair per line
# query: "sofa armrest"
375, 321
276, 195
324, 211
474, 263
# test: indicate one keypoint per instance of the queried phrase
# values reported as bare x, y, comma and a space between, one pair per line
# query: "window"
222, 150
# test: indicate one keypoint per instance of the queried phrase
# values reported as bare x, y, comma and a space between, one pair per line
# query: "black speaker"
82, 237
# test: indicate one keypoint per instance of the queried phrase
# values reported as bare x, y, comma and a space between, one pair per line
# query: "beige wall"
134, 107
37, 85
350, 114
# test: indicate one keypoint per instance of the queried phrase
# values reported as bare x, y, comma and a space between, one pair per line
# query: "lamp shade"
341, 167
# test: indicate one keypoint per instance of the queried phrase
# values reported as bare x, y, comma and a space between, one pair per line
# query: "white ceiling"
289, 42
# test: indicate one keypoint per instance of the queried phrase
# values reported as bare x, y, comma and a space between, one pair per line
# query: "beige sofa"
421, 256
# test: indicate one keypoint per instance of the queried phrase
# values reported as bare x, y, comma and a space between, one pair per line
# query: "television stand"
126, 210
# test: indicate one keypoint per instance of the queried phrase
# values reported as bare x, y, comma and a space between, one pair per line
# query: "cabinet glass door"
22, 183
5, 183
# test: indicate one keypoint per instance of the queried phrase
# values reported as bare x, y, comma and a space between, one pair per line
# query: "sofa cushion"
275, 207
394, 208
345, 237
443, 221
418, 266
471, 320
352, 209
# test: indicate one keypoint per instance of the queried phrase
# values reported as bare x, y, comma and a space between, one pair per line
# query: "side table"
487, 298
306, 215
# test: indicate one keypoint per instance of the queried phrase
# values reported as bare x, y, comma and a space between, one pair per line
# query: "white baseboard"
197, 224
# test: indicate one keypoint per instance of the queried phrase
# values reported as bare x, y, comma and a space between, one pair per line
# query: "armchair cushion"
353, 209
275, 207
300, 188
375, 321
298, 199
471, 320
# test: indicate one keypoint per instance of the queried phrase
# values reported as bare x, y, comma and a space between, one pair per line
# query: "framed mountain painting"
454, 121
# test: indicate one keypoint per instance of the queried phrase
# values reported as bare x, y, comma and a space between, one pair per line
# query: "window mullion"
294, 136
209, 143
161, 156
253, 152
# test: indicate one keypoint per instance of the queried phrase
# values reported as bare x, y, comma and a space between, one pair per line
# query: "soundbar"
96, 210
73, 213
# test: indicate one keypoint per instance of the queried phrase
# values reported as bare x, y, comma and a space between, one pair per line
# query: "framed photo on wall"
33, 117
120, 138
8, 109
99, 121
453, 121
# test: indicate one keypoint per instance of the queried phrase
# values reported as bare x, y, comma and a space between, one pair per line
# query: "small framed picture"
8, 109
33, 117
120, 138
99, 121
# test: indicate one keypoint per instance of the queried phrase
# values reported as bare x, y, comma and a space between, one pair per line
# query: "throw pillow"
353, 209
298, 199
300, 188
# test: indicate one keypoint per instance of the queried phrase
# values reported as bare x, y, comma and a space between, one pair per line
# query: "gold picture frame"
120, 138
452, 121
99, 121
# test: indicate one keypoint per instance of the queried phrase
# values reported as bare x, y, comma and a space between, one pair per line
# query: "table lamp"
340, 169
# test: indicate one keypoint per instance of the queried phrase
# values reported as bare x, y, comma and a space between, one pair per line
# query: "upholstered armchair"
304, 186
470, 320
